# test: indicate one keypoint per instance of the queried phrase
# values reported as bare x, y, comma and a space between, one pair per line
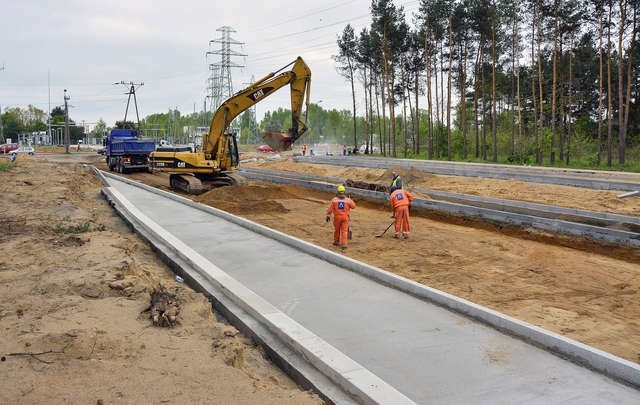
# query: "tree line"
15, 122
537, 81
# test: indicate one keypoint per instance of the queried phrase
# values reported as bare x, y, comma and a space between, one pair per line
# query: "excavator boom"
299, 79
219, 153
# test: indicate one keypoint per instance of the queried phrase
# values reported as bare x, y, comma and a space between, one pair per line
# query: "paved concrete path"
427, 353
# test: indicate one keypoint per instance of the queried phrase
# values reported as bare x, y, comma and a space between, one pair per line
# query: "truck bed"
132, 146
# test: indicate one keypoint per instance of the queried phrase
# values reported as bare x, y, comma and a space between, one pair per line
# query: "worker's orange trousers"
340, 230
402, 220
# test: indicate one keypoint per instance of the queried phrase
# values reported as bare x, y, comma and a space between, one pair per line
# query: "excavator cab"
232, 150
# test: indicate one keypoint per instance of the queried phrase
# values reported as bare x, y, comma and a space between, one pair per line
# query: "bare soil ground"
74, 282
78, 295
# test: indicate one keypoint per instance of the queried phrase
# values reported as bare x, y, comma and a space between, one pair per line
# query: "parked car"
101, 151
265, 148
23, 149
8, 147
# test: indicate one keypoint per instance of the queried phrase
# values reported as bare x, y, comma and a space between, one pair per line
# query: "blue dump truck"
125, 151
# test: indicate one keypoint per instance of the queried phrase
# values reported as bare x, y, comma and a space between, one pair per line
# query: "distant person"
78, 150
340, 206
312, 153
344, 150
396, 183
13, 157
304, 150
401, 201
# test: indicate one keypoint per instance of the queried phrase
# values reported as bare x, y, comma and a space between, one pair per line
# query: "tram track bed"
603, 227
575, 178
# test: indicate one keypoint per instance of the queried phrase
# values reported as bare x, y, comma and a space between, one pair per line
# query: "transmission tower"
252, 133
220, 84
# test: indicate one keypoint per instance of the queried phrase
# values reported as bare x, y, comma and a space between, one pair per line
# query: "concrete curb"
475, 170
515, 206
587, 356
489, 215
346, 373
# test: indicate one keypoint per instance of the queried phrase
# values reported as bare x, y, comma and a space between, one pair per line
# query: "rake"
385, 231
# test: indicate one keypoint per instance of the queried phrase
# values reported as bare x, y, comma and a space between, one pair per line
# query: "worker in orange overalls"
401, 201
340, 207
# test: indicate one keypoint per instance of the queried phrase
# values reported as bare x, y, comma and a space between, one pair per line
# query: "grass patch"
74, 228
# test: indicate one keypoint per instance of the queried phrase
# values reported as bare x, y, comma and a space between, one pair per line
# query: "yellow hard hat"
341, 189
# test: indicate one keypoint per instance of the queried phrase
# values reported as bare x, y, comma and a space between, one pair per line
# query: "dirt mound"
257, 197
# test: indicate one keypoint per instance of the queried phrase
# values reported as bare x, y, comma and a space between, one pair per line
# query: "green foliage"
125, 125
64, 227
99, 130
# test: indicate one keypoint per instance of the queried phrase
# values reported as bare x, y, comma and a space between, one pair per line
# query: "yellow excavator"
215, 161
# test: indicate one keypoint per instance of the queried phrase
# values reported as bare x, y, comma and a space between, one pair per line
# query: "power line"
296, 18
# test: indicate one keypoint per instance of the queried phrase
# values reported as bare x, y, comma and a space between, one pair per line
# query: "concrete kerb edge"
532, 207
495, 203
587, 356
485, 214
472, 172
366, 386
296, 366
488, 215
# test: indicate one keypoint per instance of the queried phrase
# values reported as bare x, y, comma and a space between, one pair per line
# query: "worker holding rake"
340, 206
401, 201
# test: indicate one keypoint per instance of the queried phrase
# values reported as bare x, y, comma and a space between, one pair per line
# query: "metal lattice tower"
252, 135
220, 85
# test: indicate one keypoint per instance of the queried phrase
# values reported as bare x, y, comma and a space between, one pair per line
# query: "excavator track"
190, 184
187, 183
236, 179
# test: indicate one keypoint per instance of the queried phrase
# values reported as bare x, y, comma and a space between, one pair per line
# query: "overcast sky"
85, 46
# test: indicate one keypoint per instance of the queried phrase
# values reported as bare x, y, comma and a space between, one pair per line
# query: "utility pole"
131, 92
49, 136
67, 139
1, 126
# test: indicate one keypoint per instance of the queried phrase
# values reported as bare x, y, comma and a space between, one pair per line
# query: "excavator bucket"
280, 141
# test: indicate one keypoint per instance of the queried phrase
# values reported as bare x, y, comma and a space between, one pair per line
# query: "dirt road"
74, 282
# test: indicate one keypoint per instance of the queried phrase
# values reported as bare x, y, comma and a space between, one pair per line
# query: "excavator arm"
219, 153
299, 78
